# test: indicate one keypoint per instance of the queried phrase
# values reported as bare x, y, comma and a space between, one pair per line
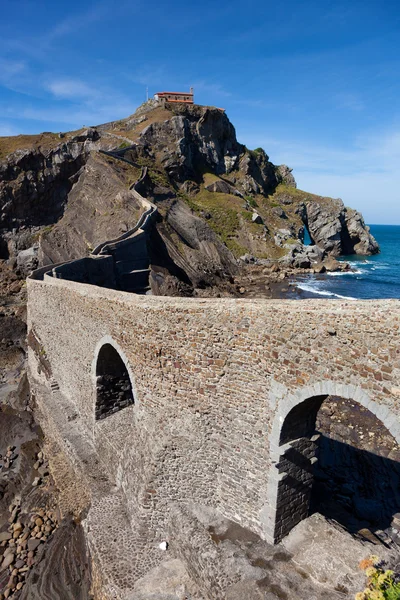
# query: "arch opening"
338, 459
113, 385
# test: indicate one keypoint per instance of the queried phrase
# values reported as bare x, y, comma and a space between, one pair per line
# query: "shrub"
382, 583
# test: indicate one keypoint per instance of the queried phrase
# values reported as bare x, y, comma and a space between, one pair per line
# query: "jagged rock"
286, 176
48, 581
27, 260
324, 225
259, 173
199, 136
190, 187
339, 230
331, 264
361, 241
34, 186
83, 197
319, 268
300, 256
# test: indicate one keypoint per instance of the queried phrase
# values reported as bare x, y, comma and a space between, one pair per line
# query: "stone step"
137, 263
135, 280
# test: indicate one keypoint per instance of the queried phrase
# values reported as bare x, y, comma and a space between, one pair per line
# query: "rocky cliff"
220, 205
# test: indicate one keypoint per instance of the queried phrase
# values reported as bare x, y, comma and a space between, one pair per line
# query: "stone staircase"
129, 251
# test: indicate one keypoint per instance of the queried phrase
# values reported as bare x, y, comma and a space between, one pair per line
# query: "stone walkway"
122, 549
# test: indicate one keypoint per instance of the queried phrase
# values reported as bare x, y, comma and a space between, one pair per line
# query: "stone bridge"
151, 405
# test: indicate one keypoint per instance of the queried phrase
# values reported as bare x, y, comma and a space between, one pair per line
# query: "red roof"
175, 93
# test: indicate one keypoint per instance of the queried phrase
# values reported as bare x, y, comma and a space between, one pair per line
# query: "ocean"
375, 276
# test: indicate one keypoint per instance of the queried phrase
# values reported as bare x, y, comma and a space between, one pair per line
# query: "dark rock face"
208, 254
338, 230
34, 184
188, 141
259, 173
201, 139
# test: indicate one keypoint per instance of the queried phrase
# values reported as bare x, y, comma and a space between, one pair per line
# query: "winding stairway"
129, 250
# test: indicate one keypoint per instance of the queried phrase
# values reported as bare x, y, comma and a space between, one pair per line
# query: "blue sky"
314, 82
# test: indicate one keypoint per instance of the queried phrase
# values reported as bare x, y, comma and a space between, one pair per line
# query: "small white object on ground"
163, 546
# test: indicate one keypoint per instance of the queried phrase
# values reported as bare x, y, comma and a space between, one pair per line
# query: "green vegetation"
246, 215
382, 584
159, 178
209, 177
251, 201
224, 210
36, 236
236, 249
225, 222
124, 145
257, 152
299, 195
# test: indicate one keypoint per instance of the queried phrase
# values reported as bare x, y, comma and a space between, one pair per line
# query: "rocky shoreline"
43, 553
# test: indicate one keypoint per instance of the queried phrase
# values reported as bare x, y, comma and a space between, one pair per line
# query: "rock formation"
217, 200
339, 230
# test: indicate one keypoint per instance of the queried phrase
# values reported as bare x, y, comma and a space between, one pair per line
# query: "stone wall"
213, 381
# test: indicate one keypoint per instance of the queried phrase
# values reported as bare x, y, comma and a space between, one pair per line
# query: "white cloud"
11, 71
72, 89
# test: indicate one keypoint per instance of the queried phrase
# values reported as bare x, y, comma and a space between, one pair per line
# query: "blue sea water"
375, 276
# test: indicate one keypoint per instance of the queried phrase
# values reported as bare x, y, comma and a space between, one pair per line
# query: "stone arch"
302, 407
112, 378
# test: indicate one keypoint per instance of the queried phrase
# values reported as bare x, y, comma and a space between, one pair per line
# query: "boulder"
256, 218
331, 264
27, 260
279, 212
248, 258
220, 186
319, 268
281, 236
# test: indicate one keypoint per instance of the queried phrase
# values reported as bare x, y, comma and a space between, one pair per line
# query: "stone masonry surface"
213, 381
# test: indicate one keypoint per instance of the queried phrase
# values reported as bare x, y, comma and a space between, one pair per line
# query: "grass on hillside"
227, 216
133, 132
296, 194
45, 141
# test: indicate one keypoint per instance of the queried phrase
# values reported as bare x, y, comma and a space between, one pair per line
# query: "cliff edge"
221, 206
